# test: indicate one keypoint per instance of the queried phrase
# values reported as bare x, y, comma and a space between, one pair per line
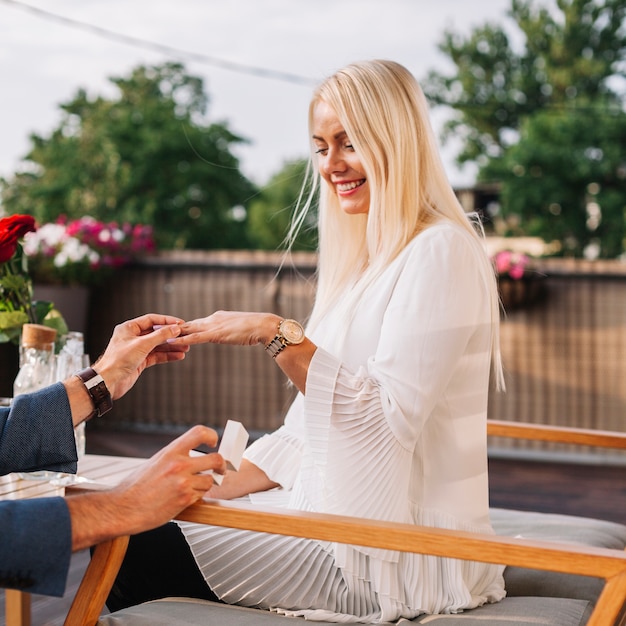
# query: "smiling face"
337, 161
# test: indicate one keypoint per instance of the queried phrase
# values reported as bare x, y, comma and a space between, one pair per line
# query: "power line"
170, 50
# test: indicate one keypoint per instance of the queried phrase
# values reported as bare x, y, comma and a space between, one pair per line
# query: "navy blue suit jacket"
36, 432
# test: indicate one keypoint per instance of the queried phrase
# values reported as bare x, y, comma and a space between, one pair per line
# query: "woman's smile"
347, 188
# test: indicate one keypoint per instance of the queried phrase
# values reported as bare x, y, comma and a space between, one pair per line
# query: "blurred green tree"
542, 112
147, 155
270, 213
565, 180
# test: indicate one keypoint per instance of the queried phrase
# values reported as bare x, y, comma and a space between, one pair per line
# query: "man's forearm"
99, 516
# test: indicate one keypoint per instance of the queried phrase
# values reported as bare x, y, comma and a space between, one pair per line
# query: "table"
95, 472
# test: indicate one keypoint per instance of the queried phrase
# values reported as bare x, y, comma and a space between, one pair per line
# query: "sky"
44, 60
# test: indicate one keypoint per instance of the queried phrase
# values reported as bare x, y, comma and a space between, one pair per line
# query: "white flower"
47, 237
73, 251
83, 250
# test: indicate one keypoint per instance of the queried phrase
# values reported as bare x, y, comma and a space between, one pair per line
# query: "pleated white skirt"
290, 575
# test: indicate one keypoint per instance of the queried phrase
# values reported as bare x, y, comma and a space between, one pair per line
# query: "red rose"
12, 229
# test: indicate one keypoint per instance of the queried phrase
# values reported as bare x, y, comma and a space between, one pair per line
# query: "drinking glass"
79, 431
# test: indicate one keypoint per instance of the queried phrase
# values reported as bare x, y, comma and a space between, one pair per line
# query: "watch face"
292, 331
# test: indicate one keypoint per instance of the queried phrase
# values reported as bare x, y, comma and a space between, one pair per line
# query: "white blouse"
392, 427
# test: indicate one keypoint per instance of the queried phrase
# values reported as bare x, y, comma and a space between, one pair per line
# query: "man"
36, 432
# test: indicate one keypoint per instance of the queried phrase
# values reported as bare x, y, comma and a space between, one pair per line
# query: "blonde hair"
385, 114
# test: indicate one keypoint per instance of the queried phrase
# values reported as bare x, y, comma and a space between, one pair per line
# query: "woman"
393, 372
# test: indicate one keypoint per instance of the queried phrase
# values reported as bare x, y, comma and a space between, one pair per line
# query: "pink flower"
82, 251
512, 264
503, 261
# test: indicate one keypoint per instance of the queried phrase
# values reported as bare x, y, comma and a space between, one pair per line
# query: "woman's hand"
248, 329
230, 327
249, 479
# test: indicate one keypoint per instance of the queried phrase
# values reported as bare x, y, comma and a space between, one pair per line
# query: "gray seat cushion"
554, 527
508, 612
517, 612
192, 612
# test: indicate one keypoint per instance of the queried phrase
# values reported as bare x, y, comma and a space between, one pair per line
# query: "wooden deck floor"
578, 489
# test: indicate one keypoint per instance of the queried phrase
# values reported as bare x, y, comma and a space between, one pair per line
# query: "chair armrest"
557, 434
609, 565
97, 582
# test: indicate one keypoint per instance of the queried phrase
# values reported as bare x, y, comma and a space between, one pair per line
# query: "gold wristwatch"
290, 333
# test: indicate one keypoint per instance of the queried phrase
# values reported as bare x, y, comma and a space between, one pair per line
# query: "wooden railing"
565, 354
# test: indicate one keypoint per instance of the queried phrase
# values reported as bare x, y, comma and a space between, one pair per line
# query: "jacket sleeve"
35, 545
37, 433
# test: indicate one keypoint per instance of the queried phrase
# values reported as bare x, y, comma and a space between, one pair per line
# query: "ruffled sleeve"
278, 454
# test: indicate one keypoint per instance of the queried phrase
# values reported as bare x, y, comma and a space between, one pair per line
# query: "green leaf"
12, 319
55, 320
41, 309
13, 282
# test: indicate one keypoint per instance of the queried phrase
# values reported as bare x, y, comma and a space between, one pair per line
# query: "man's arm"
134, 346
36, 432
38, 535
35, 545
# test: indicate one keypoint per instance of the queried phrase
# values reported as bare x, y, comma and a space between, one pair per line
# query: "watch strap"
276, 346
97, 389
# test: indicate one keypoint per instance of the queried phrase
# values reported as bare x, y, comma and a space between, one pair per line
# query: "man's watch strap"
97, 389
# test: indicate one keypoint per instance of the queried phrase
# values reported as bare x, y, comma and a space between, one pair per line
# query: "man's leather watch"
97, 389
290, 333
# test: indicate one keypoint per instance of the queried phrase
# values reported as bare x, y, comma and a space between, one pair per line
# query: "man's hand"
169, 482
135, 345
